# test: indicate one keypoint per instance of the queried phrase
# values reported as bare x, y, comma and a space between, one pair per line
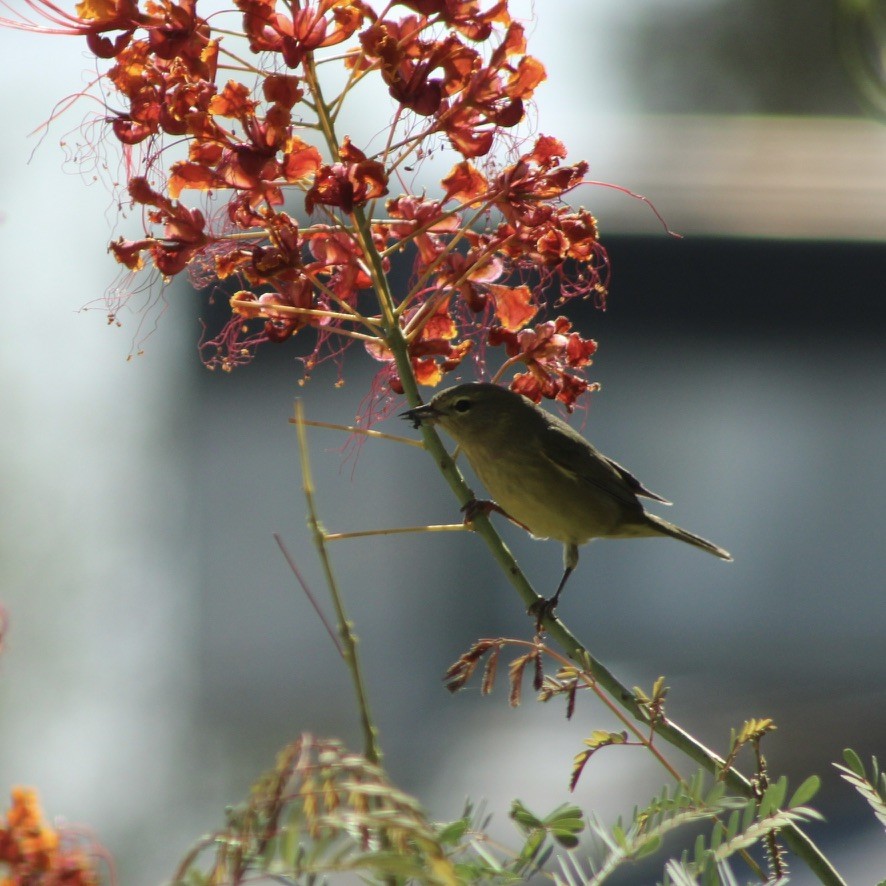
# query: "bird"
544, 476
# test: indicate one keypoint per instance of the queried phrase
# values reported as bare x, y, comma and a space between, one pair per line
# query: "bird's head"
473, 413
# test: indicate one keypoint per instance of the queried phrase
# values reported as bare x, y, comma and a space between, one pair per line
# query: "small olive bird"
544, 475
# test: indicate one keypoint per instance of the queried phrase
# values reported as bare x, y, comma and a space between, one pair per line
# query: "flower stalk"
371, 746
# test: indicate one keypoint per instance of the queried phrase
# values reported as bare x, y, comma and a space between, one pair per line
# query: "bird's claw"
542, 608
479, 508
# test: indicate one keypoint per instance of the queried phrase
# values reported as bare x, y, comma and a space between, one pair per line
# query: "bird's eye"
461, 405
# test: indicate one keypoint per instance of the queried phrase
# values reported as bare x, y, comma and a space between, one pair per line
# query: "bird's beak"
420, 414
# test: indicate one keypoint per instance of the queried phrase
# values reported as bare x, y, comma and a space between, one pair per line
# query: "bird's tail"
665, 528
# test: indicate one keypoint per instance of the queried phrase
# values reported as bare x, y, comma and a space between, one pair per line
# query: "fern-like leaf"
738, 823
686, 804
872, 787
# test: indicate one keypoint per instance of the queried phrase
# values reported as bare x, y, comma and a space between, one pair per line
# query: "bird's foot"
484, 507
542, 608
477, 507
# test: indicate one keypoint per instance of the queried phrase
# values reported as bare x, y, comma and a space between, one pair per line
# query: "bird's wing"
636, 486
573, 455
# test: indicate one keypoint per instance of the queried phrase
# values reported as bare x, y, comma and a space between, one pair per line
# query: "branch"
372, 751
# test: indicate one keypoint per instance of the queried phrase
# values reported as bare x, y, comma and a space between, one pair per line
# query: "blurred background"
158, 653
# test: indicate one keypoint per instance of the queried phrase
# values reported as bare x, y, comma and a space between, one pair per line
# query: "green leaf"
710, 876
567, 826
853, 761
714, 796
677, 875
387, 863
477, 872
532, 844
523, 817
805, 792
733, 824
289, 845
487, 856
567, 840
568, 829
640, 695
699, 849
542, 859
748, 815
875, 798
451, 834
566, 812
652, 845
773, 797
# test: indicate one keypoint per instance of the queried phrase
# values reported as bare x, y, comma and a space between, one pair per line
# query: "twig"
372, 751
309, 594
397, 530
351, 429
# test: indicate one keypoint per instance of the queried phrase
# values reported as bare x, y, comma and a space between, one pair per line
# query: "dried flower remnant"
254, 133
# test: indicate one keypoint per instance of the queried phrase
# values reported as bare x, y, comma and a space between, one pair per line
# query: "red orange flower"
350, 183
33, 852
553, 355
486, 249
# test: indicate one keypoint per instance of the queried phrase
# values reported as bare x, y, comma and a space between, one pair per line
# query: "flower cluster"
32, 852
224, 128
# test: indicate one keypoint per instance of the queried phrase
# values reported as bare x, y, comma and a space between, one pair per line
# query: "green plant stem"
371, 748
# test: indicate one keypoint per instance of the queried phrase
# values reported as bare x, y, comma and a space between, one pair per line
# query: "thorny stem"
372, 750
